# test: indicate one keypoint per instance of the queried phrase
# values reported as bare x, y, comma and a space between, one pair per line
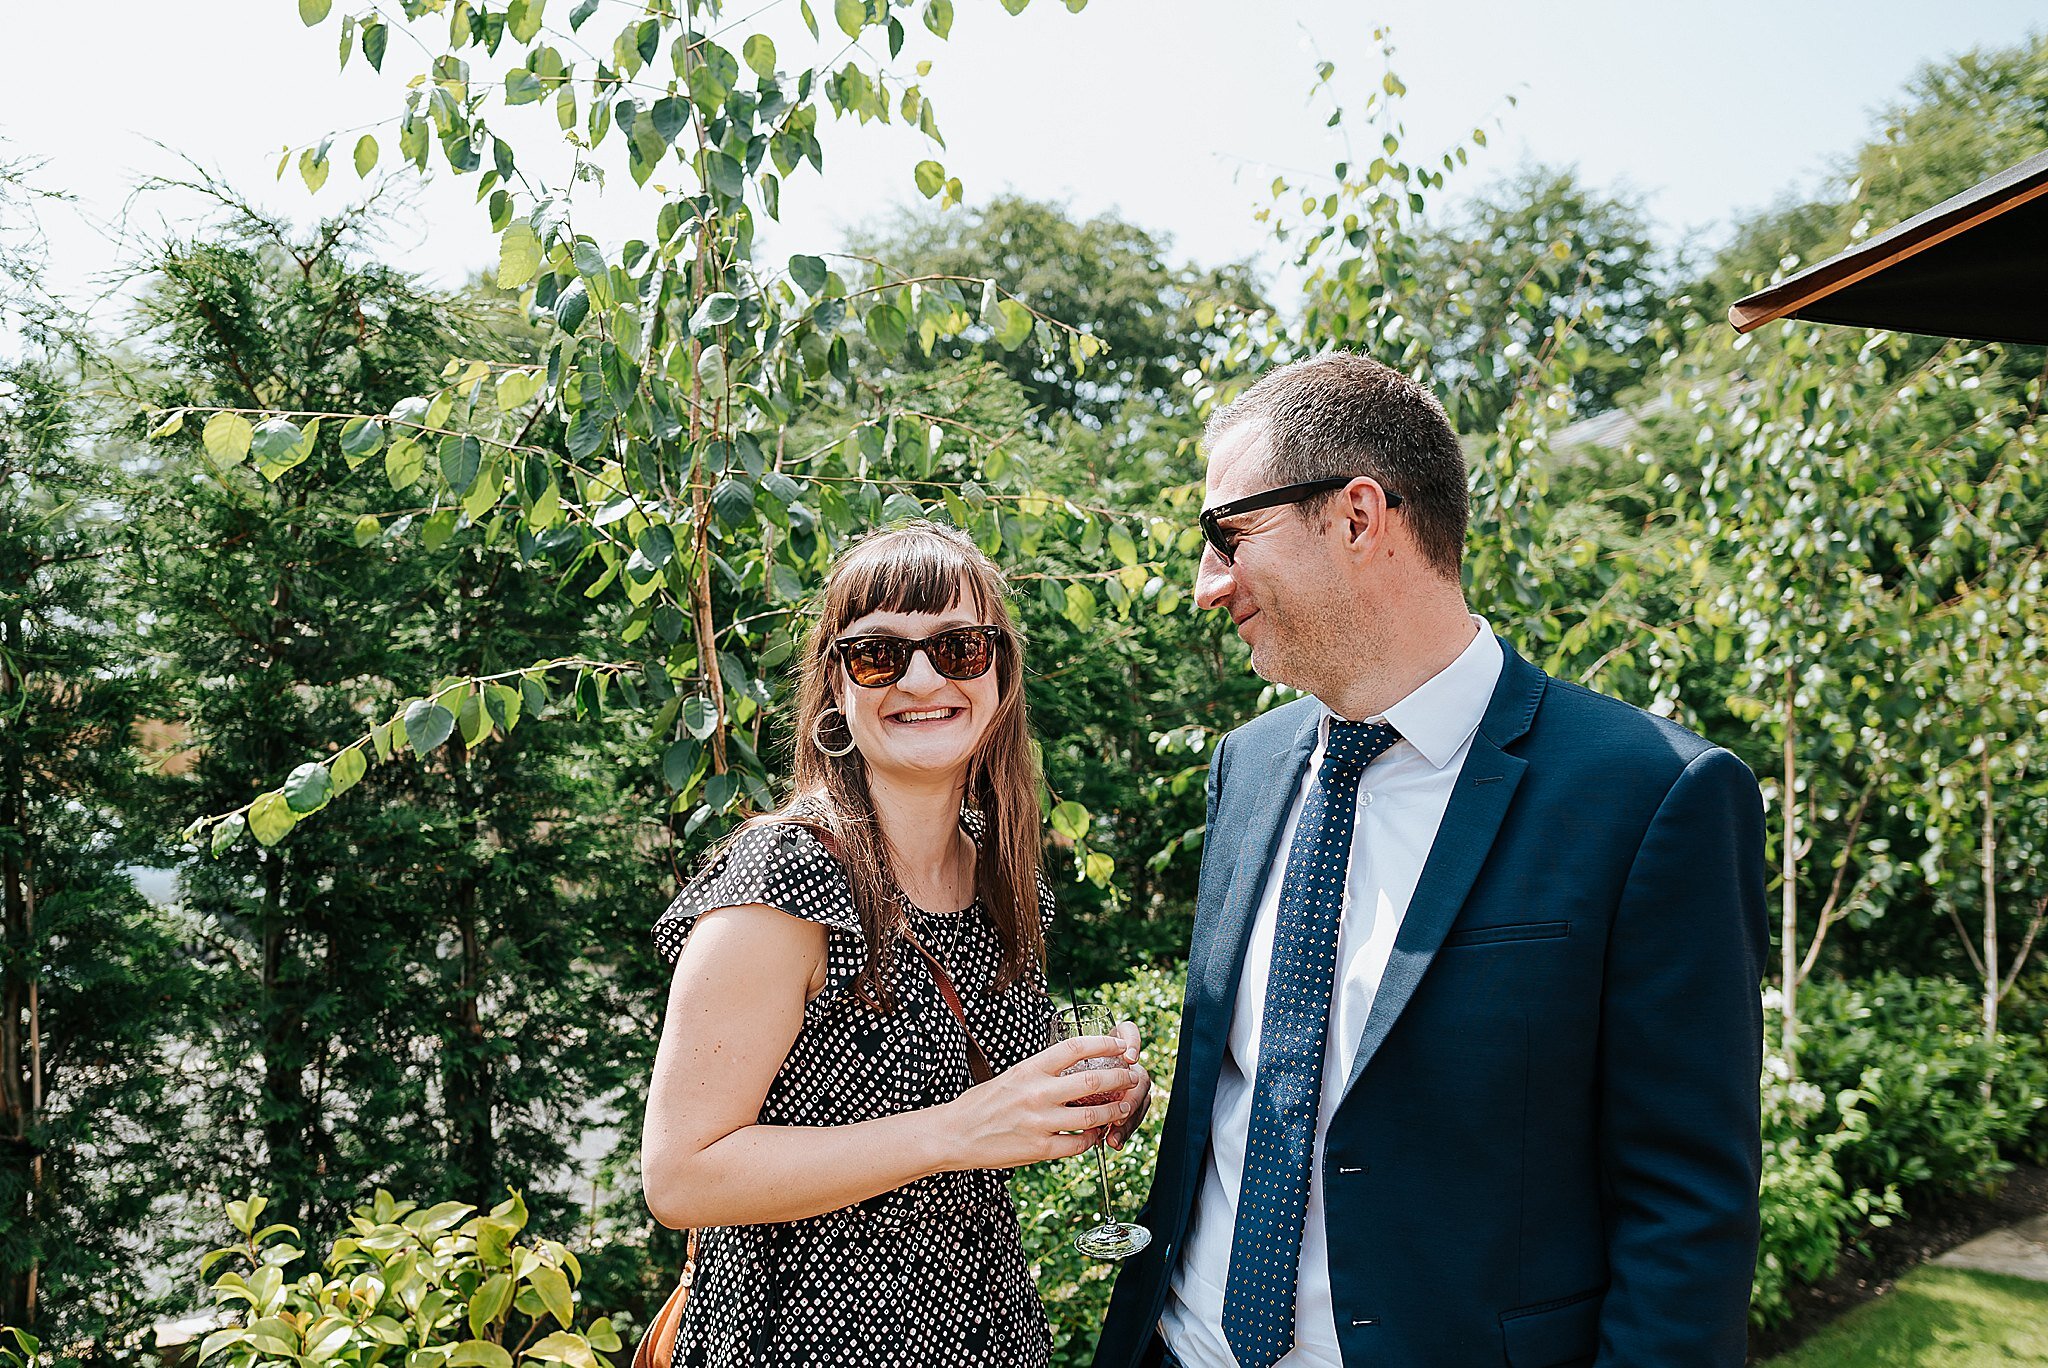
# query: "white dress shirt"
1401, 802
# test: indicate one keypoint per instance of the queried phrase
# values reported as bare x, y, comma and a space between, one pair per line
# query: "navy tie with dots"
1265, 1247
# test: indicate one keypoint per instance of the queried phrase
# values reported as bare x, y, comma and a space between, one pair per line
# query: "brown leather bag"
657, 1348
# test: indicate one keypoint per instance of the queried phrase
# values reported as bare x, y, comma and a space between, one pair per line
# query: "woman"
814, 1108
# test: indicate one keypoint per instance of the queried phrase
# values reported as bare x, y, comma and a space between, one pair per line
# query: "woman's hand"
1027, 1114
1139, 1097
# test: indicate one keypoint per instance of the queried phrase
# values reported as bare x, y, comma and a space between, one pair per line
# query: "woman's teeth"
928, 715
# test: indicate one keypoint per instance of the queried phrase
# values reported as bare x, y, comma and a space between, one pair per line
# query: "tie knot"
1354, 745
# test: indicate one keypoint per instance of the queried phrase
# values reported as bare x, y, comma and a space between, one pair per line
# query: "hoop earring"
818, 734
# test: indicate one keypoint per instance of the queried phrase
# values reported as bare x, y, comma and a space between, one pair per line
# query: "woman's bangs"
915, 575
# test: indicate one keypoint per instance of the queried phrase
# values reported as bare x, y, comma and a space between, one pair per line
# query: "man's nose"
1213, 581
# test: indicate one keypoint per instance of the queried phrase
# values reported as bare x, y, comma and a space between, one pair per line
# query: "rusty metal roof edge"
1987, 199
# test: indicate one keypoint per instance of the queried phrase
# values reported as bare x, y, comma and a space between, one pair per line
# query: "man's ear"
1365, 513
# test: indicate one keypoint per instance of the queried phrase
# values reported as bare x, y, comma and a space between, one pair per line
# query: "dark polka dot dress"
933, 1273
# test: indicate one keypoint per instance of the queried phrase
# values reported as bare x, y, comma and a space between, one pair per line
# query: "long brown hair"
921, 567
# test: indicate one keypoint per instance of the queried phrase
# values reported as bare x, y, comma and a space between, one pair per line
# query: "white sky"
1176, 113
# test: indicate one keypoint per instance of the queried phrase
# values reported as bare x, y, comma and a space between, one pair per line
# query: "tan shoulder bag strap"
977, 1063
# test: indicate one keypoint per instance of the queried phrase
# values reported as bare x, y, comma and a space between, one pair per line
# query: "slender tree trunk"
1788, 858
1991, 984
469, 1085
20, 1030
283, 1108
469, 1075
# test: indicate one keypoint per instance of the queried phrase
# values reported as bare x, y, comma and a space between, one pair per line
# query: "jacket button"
1367, 1320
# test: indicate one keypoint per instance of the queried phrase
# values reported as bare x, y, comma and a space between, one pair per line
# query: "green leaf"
404, 462
1016, 324
481, 1354
170, 426
716, 309
671, 116
225, 834
427, 725
572, 307
503, 703
1015, 6
679, 762
887, 329
700, 719
438, 528
589, 260
313, 170
361, 438
226, 437
525, 19
516, 387
1070, 820
810, 19
308, 788
270, 817
553, 1286
1080, 606
519, 255
851, 15
483, 496
734, 501
461, 459
324, 1343
312, 12
726, 174
347, 769
931, 178
274, 439
366, 155
711, 370
938, 17
490, 1301
759, 51
212, 1344
657, 545
809, 273
473, 721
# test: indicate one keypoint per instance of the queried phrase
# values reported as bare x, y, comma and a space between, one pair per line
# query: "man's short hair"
1346, 414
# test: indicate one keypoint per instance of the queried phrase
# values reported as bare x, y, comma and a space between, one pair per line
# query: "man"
1468, 1064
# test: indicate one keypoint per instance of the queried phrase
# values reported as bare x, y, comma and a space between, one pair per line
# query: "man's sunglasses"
1223, 540
875, 662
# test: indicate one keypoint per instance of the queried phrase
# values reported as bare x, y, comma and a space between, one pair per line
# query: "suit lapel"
1262, 790
1479, 803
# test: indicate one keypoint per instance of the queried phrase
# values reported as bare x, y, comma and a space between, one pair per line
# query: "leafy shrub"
1807, 1210
433, 1288
1056, 1202
1942, 1104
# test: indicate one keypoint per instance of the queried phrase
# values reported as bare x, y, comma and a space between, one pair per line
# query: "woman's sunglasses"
1223, 540
875, 662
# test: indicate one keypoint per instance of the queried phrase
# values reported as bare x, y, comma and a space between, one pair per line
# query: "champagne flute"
1112, 1239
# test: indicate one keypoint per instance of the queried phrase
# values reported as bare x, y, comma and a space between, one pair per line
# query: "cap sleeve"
781, 865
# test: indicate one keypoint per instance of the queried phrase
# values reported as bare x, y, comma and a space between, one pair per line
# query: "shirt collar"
1439, 717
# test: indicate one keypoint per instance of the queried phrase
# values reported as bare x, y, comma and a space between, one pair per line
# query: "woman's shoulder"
780, 861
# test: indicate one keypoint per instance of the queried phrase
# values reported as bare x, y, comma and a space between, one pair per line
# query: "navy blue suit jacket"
1547, 1150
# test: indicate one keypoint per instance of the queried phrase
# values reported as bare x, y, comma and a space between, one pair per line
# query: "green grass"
1936, 1318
